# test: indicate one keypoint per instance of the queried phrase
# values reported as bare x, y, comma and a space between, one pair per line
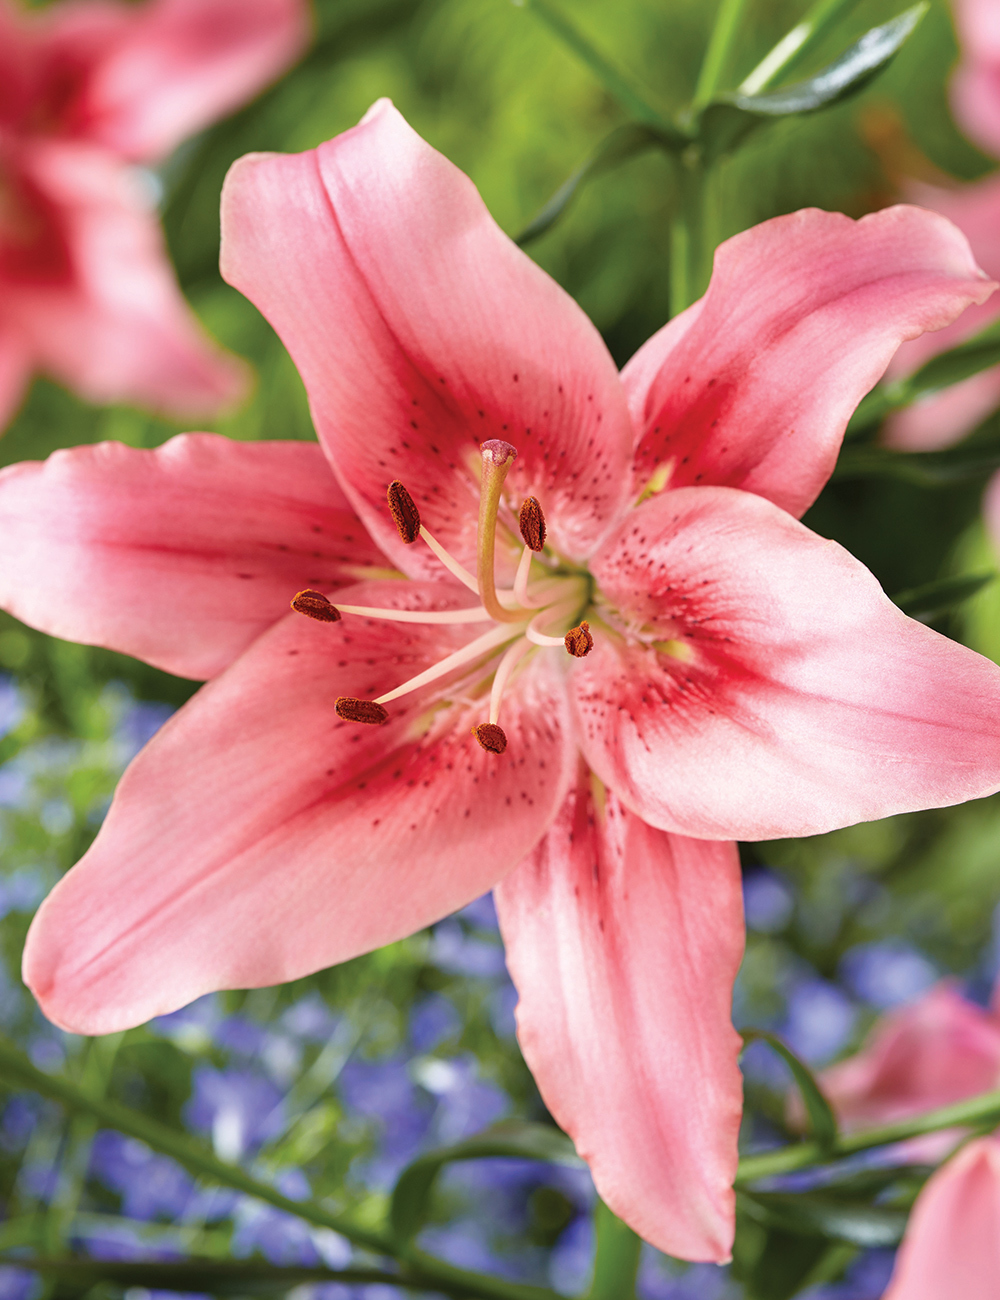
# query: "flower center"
521, 619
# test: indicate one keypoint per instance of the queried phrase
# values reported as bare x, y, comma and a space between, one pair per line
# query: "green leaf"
971, 459
622, 143
783, 1266
816, 1215
822, 1122
937, 597
976, 354
616, 1259
725, 123
410, 1197
796, 46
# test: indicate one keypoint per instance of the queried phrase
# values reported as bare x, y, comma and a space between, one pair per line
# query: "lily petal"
768, 686
952, 1241
180, 556
258, 837
801, 318
623, 943
165, 69
116, 328
421, 330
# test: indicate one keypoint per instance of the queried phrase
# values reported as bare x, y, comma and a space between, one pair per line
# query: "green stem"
613, 81
189, 1275
616, 1260
796, 45
419, 1270
720, 44
978, 1111
685, 236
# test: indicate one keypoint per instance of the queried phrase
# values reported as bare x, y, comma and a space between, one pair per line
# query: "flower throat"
518, 616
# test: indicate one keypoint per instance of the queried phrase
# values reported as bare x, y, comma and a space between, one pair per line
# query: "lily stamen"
551, 615
315, 605
501, 677
468, 654
501, 607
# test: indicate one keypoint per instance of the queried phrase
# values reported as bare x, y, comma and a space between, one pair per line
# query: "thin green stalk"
686, 236
616, 1259
613, 81
978, 1111
419, 1270
720, 44
796, 45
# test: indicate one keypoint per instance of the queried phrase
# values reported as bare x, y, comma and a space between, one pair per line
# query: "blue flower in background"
459, 953
150, 1185
819, 1020
768, 902
888, 973
433, 1020
238, 1109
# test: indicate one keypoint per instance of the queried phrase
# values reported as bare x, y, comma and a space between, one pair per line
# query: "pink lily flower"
943, 418
488, 494
952, 1241
89, 88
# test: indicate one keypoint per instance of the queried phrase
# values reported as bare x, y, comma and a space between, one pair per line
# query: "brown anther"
578, 640
491, 737
405, 514
366, 711
315, 605
531, 521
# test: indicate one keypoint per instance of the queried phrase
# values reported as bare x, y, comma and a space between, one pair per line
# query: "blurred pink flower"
88, 88
747, 677
939, 1049
952, 1241
943, 418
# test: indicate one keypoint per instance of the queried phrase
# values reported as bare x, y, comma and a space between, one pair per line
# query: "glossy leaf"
822, 1123
513, 1139
796, 46
935, 598
811, 1214
726, 123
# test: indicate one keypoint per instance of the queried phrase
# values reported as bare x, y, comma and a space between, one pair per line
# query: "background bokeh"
331, 1085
